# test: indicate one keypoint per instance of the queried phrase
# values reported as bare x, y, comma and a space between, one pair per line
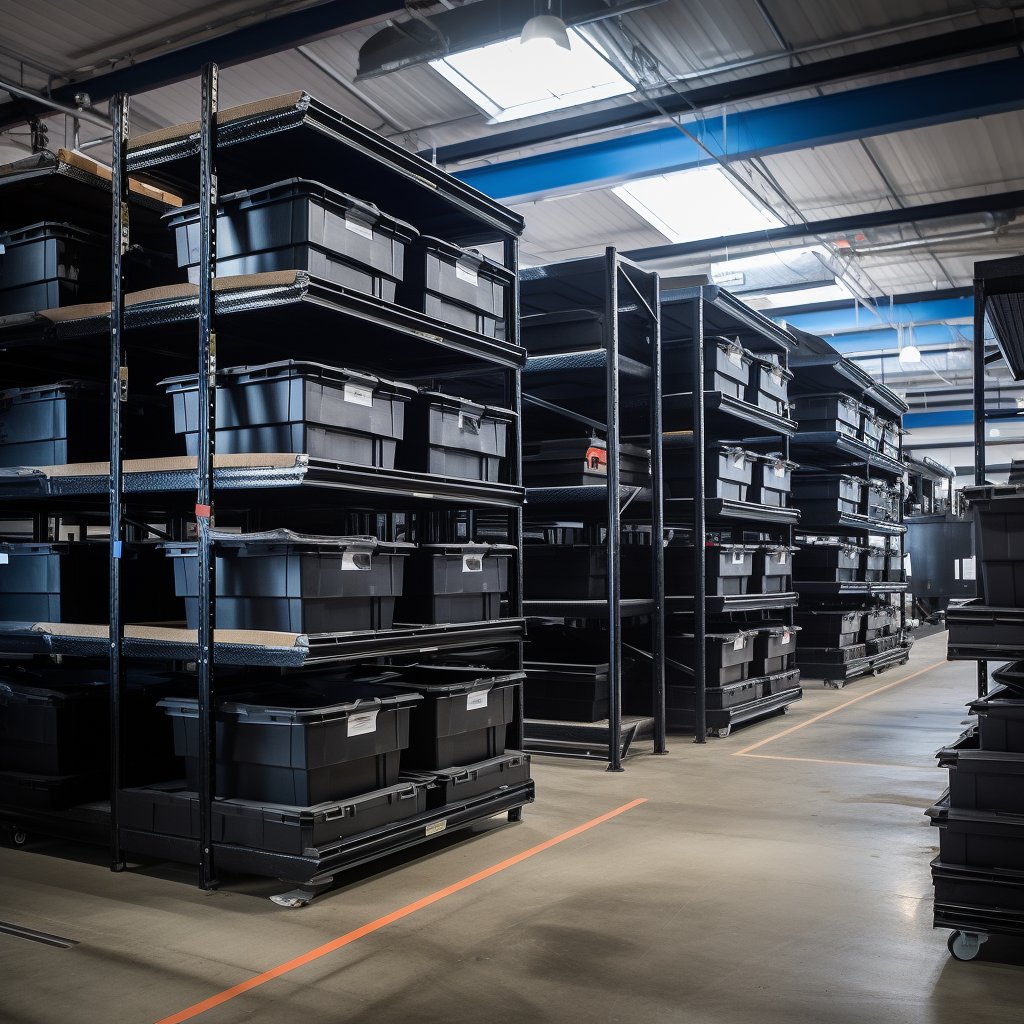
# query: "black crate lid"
465, 405
513, 758
294, 188
64, 387
234, 375
52, 229
293, 541
1004, 698
471, 548
441, 680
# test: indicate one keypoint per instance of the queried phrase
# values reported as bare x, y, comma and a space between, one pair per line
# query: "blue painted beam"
886, 338
976, 91
825, 321
939, 418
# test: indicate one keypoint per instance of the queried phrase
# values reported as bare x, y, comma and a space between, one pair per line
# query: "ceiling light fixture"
910, 355
543, 31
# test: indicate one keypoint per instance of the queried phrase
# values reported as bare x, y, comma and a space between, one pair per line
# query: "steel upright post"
979, 425
120, 240
699, 611
611, 341
204, 469
657, 533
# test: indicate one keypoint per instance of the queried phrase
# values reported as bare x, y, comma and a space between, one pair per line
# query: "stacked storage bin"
747, 548
348, 530
849, 567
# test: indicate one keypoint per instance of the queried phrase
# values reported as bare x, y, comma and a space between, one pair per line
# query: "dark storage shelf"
847, 522
825, 373
586, 609
843, 673
721, 720
584, 740
981, 633
562, 364
717, 605
833, 449
986, 900
251, 647
722, 412
250, 473
726, 508
257, 311
847, 587
298, 136
724, 313
92, 823
592, 494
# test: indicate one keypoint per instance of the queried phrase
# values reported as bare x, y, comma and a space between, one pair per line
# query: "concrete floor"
782, 888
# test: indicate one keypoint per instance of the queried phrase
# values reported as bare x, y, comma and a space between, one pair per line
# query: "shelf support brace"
119, 237
980, 467
204, 469
699, 525
657, 531
611, 341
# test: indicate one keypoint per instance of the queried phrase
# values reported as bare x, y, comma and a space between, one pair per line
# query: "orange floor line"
395, 915
821, 760
839, 707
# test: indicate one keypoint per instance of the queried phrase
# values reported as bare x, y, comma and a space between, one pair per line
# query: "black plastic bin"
582, 462
982, 839
300, 225
457, 785
728, 469
303, 748
171, 809
829, 628
455, 583
727, 368
727, 657
454, 437
837, 562
987, 780
322, 411
567, 691
54, 424
999, 540
872, 427
883, 621
773, 569
580, 571
775, 649
1000, 720
456, 286
892, 432
47, 265
827, 413
727, 567
877, 500
771, 480
52, 792
462, 717
823, 495
295, 583
875, 563
769, 386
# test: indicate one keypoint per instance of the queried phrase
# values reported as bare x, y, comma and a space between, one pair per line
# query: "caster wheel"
18, 837
965, 945
720, 733
784, 711
516, 814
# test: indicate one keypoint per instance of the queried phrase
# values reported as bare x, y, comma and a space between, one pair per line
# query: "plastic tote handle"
469, 424
360, 560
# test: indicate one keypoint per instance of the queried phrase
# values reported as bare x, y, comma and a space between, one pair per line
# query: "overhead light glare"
994, 432
545, 31
909, 355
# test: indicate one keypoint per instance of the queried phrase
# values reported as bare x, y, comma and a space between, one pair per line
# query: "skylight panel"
508, 80
701, 203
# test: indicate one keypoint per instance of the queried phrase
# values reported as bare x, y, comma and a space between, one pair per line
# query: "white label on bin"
476, 700
358, 395
360, 227
783, 557
437, 826
777, 376
969, 573
359, 560
735, 356
362, 723
472, 563
739, 460
785, 638
780, 469
739, 643
467, 274
3, 559
737, 557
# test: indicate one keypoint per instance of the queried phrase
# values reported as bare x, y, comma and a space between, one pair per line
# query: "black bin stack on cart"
729, 518
592, 466
849, 489
312, 558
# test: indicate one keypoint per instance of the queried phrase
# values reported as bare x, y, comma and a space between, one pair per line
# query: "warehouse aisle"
780, 875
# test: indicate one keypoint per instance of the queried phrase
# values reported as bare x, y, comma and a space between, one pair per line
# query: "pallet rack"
689, 314
628, 388
819, 370
236, 320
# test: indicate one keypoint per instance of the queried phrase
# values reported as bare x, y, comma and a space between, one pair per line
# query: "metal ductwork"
421, 39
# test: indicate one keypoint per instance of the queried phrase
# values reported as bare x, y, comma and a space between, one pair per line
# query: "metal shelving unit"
562, 390
239, 320
689, 315
819, 370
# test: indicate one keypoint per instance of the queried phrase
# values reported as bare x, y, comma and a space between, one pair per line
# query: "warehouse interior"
511, 510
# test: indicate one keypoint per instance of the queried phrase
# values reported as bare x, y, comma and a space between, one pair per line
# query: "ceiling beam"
238, 46
945, 46
975, 91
